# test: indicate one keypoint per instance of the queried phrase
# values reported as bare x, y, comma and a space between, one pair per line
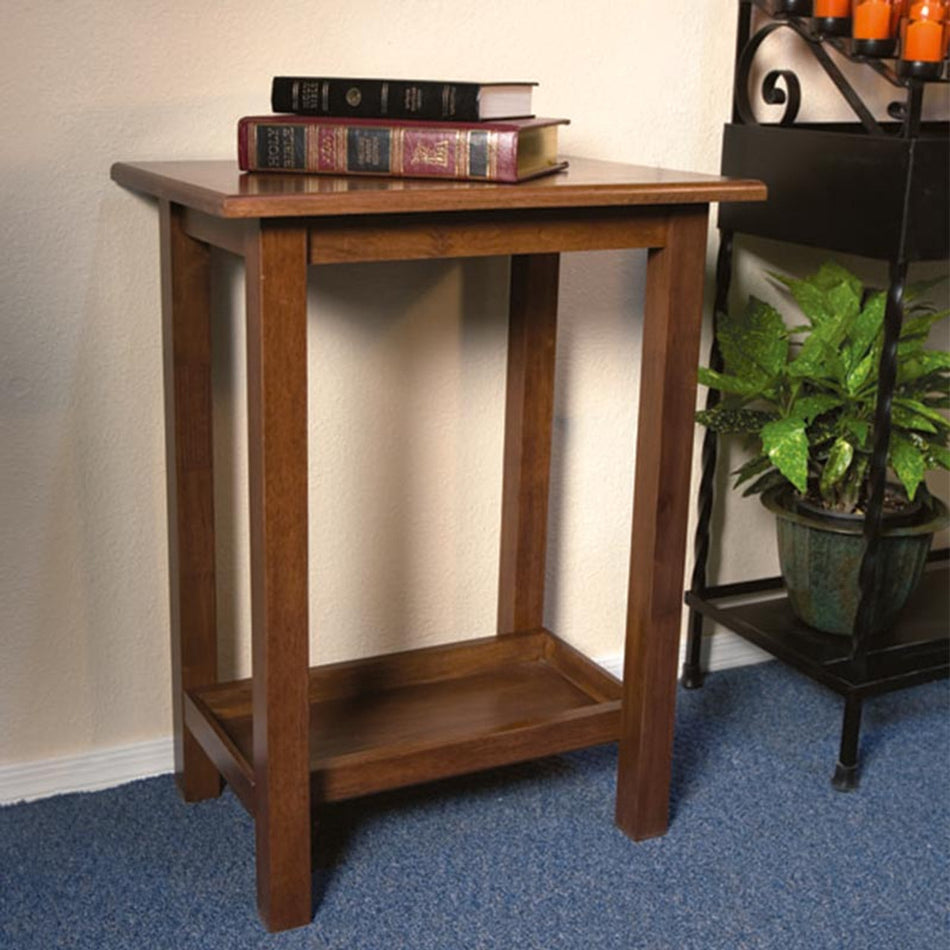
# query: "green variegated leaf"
831, 275
923, 364
910, 422
905, 419
754, 342
832, 296
812, 300
786, 444
867, 327
725, 420
839, 459
727, 384
860, 429
822, 431
919, 326
809, 407
818, 359
844, 301
937, 455
908, 349
934, 416
861, 373
908, 462
755, 466
849, 493
771, 479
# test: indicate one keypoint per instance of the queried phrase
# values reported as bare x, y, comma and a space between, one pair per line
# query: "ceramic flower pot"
820, 556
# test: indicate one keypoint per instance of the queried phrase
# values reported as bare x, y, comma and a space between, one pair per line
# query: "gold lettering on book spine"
492, 156
326, 156
340, 157
251, 146
397, 153
432, 153
312, 139
462, 161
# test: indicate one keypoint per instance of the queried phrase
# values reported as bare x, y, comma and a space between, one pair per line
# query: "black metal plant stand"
872, 188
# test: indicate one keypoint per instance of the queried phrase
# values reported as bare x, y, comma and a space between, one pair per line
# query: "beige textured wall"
407, 360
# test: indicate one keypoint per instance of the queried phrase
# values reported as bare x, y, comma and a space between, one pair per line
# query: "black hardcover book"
401, 98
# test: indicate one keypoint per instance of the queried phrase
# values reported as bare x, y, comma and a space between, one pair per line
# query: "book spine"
396, 150
376, 98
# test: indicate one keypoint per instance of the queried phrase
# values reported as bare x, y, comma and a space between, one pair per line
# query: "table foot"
845, 778
693, 676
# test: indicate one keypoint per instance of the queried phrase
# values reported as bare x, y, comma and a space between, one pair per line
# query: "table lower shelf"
424, 714
915, 651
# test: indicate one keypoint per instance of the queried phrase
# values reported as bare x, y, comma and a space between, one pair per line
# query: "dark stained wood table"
291, 736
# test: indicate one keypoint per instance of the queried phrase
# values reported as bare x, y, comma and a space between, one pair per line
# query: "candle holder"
832, 17
794, 7
923, 35
874, 25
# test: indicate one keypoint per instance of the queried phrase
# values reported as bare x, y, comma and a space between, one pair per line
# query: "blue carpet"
761, 852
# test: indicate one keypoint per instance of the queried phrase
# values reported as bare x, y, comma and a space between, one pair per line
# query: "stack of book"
401, 128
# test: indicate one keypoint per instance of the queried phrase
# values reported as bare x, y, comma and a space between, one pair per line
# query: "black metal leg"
693, 675
846, 772
692, 664
868, 577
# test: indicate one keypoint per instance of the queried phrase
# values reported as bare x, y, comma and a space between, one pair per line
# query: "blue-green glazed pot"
820, 557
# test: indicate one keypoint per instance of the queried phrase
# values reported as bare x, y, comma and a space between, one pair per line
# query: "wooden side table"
292, 735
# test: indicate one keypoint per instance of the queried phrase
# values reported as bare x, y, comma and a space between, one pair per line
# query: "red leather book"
508, 151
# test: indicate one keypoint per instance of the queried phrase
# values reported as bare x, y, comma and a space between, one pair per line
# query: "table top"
220, 188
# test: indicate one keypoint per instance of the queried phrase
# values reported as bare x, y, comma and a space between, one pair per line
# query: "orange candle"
922, 41
928, 10
872, 20
923, 35
832, 8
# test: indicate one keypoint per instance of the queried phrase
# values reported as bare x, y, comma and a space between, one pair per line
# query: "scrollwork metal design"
790, 96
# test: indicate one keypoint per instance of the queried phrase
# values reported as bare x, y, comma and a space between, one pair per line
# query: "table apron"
393, 237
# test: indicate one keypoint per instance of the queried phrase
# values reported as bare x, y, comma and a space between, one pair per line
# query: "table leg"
672, 324
276, 277
186, 331
529, 409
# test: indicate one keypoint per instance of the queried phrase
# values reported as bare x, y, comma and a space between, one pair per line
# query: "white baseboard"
106, 768
87, 772
721, 651
724, 651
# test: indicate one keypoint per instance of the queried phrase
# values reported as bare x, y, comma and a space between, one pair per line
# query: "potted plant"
804, 395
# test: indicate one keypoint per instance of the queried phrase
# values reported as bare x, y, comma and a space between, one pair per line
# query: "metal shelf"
875, 188
916, 650
831, 185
